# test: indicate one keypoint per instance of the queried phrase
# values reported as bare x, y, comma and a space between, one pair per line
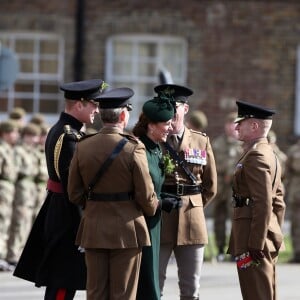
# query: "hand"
169, 202
256, 254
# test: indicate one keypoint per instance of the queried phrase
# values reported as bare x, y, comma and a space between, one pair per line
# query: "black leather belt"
238, 201
110, 197
182, 189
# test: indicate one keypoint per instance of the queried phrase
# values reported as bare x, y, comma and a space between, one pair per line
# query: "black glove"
169, 202
256, 254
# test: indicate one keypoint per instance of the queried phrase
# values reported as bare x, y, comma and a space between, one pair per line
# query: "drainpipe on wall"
79, 41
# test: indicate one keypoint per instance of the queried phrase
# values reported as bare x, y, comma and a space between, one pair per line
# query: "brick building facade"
227, 50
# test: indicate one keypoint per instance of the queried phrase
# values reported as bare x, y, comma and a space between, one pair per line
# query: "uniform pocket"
244, 212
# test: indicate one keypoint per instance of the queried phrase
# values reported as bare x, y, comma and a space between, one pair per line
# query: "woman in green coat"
152, 128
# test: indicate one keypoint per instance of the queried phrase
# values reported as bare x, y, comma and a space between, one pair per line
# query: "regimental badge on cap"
115, 97
178, 92
83, 90
195, 156
248, 110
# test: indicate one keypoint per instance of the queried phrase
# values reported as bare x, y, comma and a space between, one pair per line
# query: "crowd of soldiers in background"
23, 177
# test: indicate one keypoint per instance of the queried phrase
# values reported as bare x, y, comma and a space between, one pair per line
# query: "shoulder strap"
275, 171
181, 163
107, 163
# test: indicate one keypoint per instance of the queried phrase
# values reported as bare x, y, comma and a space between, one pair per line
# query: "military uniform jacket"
50, 256
258, 177
187, 225
112, 224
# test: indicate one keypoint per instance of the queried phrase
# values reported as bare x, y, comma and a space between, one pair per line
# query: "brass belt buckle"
179, 189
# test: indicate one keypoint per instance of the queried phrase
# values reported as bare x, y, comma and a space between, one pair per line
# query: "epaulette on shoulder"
86, 136
72, 133
199, 132
130, 137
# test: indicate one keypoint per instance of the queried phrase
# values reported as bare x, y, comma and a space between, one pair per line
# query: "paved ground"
219, 281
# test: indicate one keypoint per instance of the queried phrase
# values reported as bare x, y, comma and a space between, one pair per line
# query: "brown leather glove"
256, 254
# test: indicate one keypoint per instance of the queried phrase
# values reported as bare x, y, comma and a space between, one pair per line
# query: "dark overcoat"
50, 257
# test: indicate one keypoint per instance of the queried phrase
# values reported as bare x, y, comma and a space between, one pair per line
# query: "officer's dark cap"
160, 109
178, 92
82, 90
248, 110
115, 98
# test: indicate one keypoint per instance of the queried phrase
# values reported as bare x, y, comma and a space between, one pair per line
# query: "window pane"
122, 48
49, 88
147, 50
26, 65
145, 69
122, 68
49, 46
48, 66
24, 46
27, 104
3, 103
49, 106
25, 87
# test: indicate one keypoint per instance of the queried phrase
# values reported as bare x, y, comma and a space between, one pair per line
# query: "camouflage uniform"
293, 196
25, 195
7, 188
42, 172
227, 150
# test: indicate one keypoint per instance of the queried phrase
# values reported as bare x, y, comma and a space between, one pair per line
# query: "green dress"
148, 287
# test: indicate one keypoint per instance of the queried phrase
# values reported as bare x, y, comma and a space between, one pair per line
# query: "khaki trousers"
112, 274
259, 282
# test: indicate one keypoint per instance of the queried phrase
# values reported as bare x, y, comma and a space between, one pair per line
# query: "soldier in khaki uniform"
113, 229
9, 135
227, 150
25, 191
258, 214
293, 196
194, 179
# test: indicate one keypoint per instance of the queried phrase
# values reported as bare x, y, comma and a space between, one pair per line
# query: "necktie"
174, 141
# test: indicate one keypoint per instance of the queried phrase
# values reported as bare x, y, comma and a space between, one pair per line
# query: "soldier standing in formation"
50, 257
282, 157
197, 121
9, 135
18, 114
42, 173
194, 179
227, 150
258, 214
293, 196
25, 191
113, 229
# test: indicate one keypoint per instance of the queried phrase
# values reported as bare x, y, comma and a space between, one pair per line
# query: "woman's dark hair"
140, 128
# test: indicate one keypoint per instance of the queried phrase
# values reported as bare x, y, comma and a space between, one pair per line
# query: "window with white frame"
135, 61
41, 65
